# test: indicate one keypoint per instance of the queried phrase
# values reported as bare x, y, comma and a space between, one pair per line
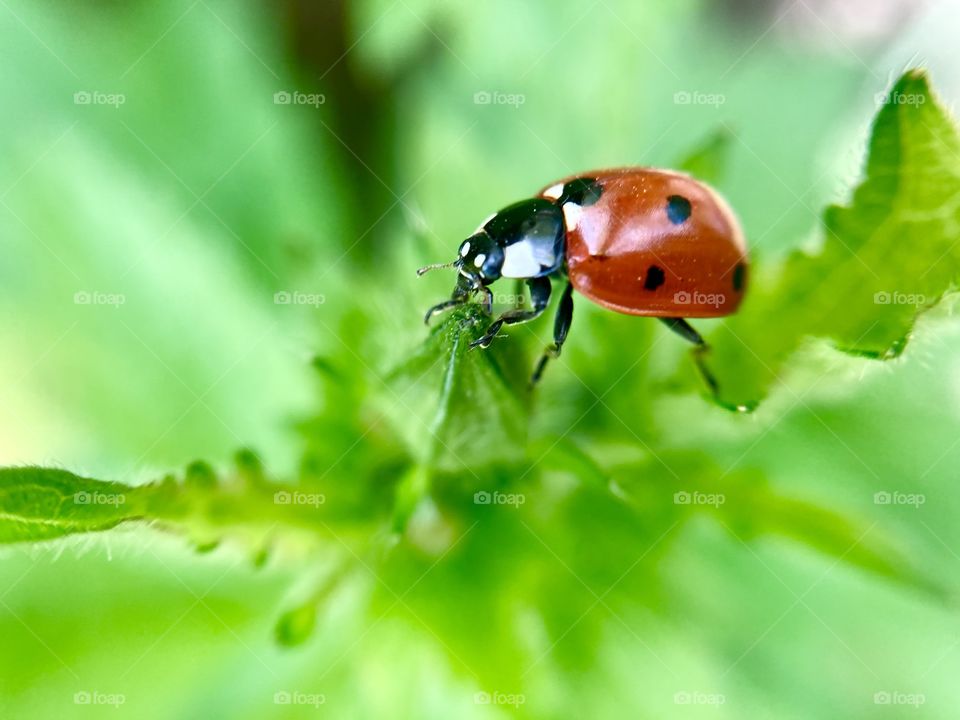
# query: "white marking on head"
554, 191
571, 215
465, 249
479, 260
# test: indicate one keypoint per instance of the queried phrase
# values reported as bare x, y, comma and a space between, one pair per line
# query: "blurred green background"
169, 168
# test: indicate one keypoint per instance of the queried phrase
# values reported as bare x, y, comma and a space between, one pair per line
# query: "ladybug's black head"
480, 258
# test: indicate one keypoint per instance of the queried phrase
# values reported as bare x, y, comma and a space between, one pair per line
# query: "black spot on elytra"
582, 191
678, 209
739, 277
655, 278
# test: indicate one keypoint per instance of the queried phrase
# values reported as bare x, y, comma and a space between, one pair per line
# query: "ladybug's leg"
461, 292
684, 330
440, 307
539, 297
487, 299
561, 326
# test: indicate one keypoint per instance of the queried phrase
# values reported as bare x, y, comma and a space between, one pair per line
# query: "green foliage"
432, 526
464, 427
708, 161
478, 412
458, 473
296, 625
887, 257
45, 504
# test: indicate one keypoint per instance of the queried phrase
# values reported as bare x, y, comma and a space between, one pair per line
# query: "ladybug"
636, 240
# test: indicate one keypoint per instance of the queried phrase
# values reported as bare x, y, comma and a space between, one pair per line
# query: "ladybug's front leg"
539, 297
440, 307
460, 295
461, 292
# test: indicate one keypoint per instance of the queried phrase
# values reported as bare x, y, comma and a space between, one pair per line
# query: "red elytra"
656, 243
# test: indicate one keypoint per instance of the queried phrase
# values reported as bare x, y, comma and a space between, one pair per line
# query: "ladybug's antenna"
436, 266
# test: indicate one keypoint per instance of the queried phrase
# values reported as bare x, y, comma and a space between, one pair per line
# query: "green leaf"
43, 504
461, 408
82, 211
296, 625
886, 257
708, 160
855, 542
749, 507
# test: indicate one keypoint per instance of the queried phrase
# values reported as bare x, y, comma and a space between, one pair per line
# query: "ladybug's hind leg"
561, 326
539, 298
700, 349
